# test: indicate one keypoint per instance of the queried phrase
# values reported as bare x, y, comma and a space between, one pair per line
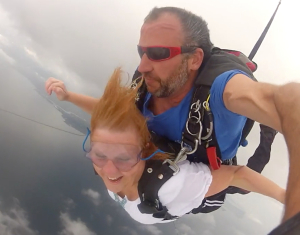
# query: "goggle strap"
157, 151
85, 139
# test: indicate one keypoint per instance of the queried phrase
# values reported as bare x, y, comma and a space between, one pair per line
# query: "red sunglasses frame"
174, 51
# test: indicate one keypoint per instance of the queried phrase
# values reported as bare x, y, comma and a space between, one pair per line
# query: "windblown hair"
195, 30
116, 110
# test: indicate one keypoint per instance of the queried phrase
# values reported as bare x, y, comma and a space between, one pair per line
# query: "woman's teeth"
114, 179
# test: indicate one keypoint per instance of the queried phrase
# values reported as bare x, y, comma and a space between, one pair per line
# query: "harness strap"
154, 176
199, 132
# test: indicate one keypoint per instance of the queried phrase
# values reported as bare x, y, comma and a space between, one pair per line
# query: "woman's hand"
58, 87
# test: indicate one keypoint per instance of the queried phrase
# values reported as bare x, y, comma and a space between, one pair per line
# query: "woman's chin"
114, 187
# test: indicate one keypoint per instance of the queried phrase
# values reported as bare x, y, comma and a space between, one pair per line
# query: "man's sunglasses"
161, 53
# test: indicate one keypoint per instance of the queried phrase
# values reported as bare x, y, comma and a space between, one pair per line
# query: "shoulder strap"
220, 62
155, 174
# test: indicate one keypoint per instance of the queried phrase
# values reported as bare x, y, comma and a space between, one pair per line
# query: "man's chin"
153, 91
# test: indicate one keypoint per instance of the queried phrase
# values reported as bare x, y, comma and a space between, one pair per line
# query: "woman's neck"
131, 193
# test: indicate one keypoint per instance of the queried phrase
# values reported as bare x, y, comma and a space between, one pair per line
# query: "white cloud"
151, 229
93, 196
73, 227
7, 57
15, 221
109, 220
4, 40
185, 230
31, 53
130, 230
70, 203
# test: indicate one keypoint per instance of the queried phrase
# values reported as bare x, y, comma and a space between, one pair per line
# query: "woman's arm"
86, 103
245, 178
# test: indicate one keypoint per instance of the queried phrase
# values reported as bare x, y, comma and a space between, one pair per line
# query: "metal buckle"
181, 156
209, 134
196, 115
195, 148
133, 85
135, 82
197, 104
173, 166
137, 96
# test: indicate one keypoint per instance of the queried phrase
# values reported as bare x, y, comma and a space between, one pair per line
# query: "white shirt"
180, 194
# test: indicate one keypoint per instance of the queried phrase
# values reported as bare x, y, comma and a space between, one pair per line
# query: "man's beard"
174, 82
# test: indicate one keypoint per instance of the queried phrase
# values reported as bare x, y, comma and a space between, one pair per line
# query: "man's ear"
196, 59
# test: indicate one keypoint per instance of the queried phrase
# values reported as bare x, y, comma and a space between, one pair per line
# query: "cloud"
109, 220
73, 48
93, 196
15, 221
32, 54
73, 227
7, 57
69, 203
4, 40
185, 230
151, 229
142, 229
129, 231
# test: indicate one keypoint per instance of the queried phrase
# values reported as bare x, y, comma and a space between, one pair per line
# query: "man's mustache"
150, 76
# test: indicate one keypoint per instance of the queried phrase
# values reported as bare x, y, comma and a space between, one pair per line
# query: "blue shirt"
228, 125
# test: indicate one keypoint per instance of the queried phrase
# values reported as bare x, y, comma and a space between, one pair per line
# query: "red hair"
117, 111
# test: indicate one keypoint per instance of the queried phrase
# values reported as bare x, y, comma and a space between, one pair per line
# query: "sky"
81, 43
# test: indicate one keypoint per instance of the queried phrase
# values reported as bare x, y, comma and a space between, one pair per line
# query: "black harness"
199, 142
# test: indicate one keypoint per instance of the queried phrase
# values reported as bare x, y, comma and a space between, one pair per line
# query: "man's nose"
145, 65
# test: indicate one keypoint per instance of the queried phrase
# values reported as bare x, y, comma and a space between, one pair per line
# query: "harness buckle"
194, 119
173, 166
134, 83
137, 97
198, 106
181, 156
196, 141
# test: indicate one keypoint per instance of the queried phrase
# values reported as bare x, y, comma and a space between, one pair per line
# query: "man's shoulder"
221, 80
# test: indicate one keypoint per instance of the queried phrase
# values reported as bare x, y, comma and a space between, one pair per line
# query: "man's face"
163, 78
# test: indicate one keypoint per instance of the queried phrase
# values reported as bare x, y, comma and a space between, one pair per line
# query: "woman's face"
115, 156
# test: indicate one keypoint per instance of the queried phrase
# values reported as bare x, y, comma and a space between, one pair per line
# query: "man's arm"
279, 108
288, 107
255, 100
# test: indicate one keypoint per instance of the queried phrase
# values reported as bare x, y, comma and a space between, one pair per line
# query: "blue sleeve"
217, 89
